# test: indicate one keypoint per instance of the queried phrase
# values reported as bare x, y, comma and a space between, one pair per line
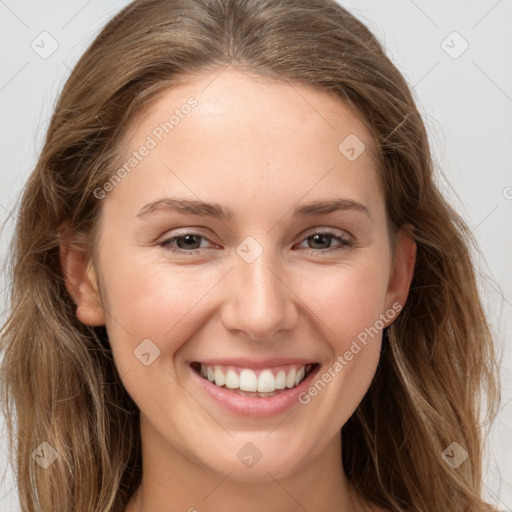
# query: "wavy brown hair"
59, 381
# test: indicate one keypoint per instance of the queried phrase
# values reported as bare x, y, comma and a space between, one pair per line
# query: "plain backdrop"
457, 58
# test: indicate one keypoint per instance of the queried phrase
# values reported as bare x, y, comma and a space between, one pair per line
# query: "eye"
324, 239
185, 242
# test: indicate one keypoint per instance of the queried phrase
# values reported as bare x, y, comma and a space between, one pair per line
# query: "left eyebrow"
200, 208
329, 206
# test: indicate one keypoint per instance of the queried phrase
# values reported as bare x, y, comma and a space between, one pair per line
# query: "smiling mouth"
262, 383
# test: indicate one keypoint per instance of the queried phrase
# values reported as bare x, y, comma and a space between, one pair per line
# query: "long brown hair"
59, 382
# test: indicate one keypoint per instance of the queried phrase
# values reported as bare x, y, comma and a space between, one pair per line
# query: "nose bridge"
259, 302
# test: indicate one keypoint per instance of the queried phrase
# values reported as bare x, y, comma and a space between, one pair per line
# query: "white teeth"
290, 378
232, 379
266, 382
248, 381
281, 380
299, 376
220, 380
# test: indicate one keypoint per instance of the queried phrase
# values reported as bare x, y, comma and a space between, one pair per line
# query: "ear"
81, 282
402, 271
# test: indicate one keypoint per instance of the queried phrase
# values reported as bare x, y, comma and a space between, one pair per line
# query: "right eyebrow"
187, 206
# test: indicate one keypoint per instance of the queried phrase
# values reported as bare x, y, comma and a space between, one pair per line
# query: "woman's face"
210, 269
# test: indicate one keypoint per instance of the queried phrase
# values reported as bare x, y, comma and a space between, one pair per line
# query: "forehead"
234, 137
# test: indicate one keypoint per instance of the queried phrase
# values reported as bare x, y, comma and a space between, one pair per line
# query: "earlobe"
403, 270
81, 283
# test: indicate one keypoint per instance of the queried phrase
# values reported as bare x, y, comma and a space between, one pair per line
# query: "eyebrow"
200, 208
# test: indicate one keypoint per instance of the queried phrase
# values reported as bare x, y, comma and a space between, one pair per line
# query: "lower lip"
259, 407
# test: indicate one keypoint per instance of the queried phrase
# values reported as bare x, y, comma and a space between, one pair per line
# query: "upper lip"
247, 362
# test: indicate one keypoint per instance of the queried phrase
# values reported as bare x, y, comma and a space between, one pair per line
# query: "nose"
259, 301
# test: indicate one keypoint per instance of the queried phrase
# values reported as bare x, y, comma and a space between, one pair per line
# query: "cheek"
350, 304
153, 300
347, 305
348, 299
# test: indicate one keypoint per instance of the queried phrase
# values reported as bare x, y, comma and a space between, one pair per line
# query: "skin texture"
259, 148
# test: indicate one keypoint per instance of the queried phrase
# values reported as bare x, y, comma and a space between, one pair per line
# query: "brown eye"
186, 242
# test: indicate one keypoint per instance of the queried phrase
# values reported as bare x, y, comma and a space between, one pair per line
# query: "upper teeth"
246, 379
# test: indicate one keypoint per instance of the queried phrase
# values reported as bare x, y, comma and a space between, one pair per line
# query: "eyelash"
345, 243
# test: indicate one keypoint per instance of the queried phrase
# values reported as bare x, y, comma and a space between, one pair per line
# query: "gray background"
465, 98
